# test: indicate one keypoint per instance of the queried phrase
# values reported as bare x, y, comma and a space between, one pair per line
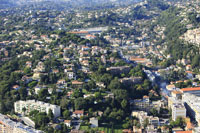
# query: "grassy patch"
109, 130
105, 129
84, 128
85, 91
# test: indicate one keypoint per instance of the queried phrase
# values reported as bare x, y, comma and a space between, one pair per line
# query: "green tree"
32, 84
24, 110
77, 93
124, 103
2, 107
66, 114
27, 70
23, 93
80, 103
114, 84
195, 61
50, 114
120, 94
41, 119
43, 93
33, 113
154, 112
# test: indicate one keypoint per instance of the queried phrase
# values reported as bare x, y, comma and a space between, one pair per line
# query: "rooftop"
7, 121
178, 105
78, 112
67, 121
191, 89
183, 132
176, 92
77, 82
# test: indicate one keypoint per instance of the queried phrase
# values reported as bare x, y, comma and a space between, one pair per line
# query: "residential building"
94, 122
139, 60
71, 75
40, 67
131, 80
178, 110
78, 113
171, 87
61, 82
189, 74
31, 105
76, 83
176, 94
142, 104
193, 90
142, 116
192, 104
9, 126
16, 87
154, 121
26, 79
173, 100
37, 89
117, 70
184, 132
151, 129
68, 123
137, 130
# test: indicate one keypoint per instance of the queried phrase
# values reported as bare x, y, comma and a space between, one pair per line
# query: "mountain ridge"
9, 3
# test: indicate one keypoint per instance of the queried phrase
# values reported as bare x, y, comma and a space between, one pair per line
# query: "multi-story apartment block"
154, 121
9, 126
178, 110
173, 100
142, 116
176, 94
30, 105
192, 104
142, 104
193, 90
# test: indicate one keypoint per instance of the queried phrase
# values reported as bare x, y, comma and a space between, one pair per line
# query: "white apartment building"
154, 121
31, 105
9, 126
71, 75
192, 104
178, 110
142, 104
142, 116
173, 100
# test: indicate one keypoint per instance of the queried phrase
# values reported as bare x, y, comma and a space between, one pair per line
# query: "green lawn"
85, 91
84, 128
105, 129
108, 130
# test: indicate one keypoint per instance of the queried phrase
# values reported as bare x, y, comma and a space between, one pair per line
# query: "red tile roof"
67, 121
137, 59
78, 112
191, 89
183, 131
79, 32
176, 92
77, 82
